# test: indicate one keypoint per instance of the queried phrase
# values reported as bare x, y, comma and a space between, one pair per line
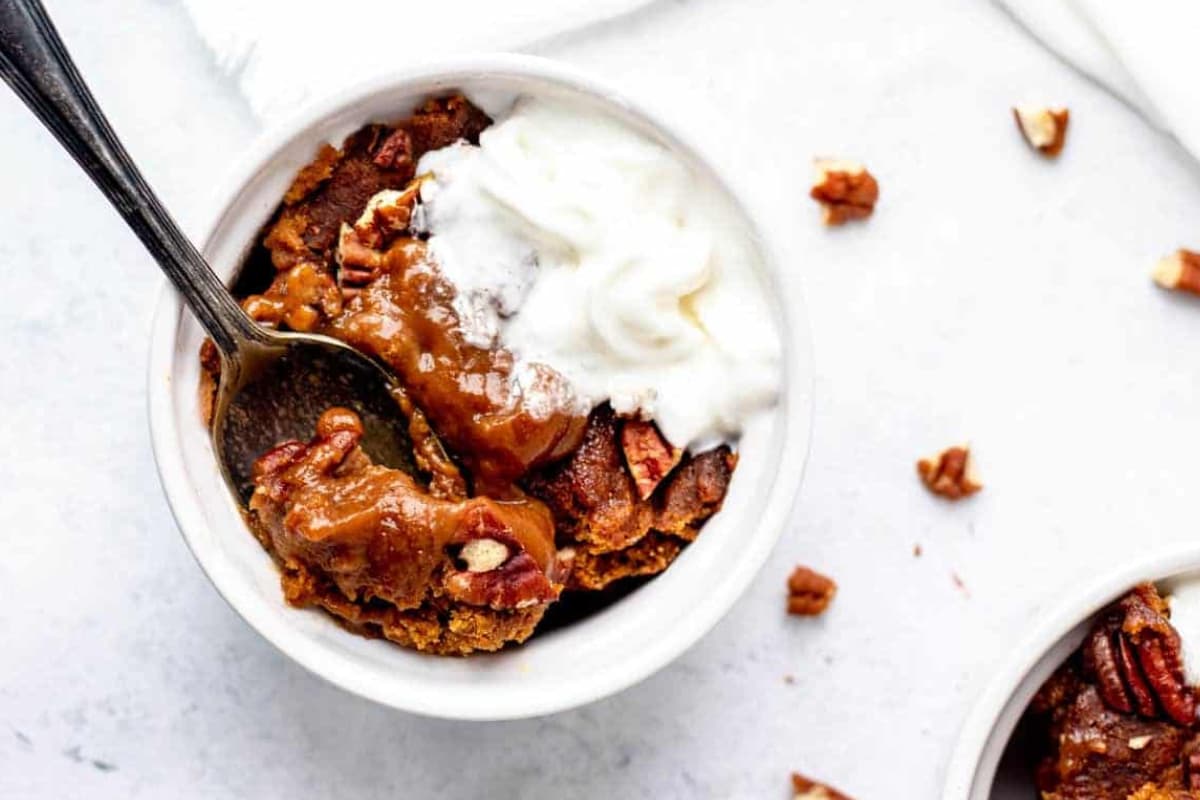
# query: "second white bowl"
976, 771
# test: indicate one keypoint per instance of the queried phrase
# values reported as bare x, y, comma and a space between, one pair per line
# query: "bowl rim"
797, 407
989, 725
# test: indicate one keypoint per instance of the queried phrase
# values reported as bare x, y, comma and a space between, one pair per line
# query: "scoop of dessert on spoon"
273, 385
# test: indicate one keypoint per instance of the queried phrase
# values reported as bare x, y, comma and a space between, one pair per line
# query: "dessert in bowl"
1101, 702
599, 376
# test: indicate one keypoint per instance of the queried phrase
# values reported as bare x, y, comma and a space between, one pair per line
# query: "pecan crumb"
1045, 129
950, 473
844, 189
1179, 272
808, 789
918, 551
789, 679
809, 592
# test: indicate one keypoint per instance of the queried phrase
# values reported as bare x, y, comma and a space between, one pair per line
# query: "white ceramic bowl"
979, 769
568, 667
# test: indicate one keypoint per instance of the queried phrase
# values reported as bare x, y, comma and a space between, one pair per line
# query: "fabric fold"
1139, 51
281, 53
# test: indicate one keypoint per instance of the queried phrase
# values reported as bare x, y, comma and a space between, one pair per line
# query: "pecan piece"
1159, 652
1179, 272
809, 592
649, 456
1176, 699
483, 555
950, 473
807, 789
396, 151
386, 214
358, 264
517, 583
1044, 129
844, 189
1135, 655
361, 246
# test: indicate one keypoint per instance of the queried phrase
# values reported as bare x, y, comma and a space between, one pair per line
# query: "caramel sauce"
406, 318
375, 531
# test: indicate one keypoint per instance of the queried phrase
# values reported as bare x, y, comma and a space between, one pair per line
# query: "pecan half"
1135, 655
950, 473
807, 789
845, 190
1179, 272
809, 592
648, 454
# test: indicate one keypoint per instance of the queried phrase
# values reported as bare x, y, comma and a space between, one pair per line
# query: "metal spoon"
273, 385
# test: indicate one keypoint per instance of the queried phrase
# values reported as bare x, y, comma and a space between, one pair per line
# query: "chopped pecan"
844, 189
1135, 655
648, 454
483, 555
358, 264
517, 583
950, 473
1045, 129
361, 246
807, 789
809, 592
395, 152
387, 214
1179, 272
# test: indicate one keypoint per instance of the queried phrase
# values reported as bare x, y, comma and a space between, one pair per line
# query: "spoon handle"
34, 62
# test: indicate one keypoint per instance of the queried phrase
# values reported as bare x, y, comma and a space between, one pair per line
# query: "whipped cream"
1184, 601
576, 242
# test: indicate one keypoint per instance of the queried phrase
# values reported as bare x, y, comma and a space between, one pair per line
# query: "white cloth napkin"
1142, 50
282, 52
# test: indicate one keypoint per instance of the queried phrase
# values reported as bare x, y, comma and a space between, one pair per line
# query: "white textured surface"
994, 296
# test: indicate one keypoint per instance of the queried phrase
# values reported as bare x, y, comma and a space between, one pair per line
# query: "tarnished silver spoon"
273, 385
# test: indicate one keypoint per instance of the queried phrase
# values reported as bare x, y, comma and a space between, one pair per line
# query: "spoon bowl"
284, 382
